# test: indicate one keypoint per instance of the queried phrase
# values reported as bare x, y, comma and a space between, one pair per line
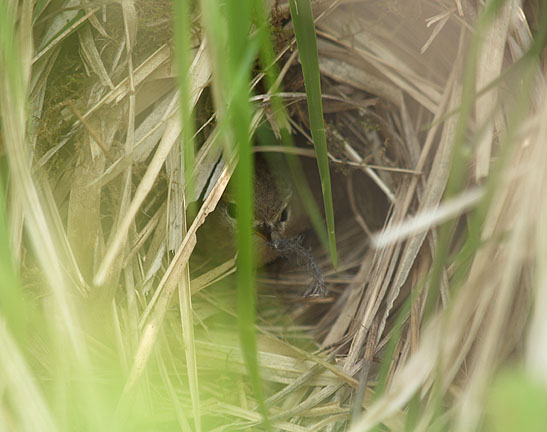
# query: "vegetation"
419, 127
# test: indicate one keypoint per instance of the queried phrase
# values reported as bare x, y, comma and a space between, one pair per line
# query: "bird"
278, 214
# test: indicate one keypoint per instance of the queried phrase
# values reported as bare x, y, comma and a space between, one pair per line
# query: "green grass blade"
527, 398
239, 19
21, 391
228, 34
182, 31
304, 30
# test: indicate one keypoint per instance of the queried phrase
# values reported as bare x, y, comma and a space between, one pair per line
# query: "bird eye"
284, 215
231, 209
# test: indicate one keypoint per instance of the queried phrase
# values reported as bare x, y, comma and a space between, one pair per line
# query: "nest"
406, 315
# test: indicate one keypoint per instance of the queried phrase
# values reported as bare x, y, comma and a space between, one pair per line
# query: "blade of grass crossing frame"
182, 44
238, 16
302, 16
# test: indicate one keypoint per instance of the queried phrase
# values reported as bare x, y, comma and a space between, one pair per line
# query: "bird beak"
264, 232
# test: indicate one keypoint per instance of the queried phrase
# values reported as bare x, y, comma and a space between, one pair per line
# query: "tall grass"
183, 29
228, 28
301, 12
93, 340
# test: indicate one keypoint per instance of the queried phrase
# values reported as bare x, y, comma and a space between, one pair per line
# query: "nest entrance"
360, 205
381, 92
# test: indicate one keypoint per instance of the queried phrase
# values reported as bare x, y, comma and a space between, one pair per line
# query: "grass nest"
432, 153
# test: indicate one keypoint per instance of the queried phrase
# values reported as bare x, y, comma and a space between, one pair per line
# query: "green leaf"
516, 402
182, 31
228, 29
304, 29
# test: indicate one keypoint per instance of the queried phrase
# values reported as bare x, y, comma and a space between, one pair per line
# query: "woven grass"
438, 173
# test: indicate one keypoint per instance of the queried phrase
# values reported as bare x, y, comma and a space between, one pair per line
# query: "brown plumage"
278, 214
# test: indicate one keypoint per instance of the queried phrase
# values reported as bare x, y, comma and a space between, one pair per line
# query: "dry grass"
414, 330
